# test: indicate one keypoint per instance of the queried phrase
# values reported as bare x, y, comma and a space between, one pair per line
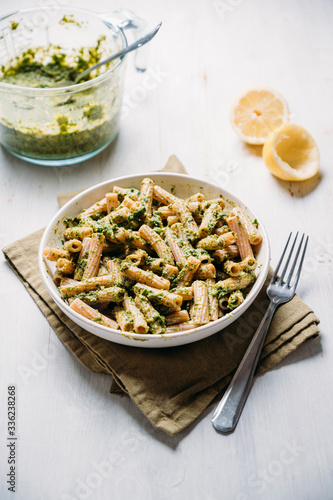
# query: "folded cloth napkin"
171, 386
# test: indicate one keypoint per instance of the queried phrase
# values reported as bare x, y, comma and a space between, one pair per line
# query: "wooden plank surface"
76, 441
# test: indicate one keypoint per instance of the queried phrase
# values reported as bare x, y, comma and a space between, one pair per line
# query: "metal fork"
229, 409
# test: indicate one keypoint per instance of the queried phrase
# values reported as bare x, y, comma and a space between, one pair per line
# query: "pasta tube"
97, 208
200, 307
153, 317
205, 271
231, 284
157, 243
244, 247
235, 299
215, 242
177, 317
124, 319
78, 232
250, 229
88, 312
175, 248
210, 219
164, 196
65, 266
146, 196
185, 276
55, 254
112, 201
103, 295
146, 277
113, 268
187, 219
213, 305
94, 256
226, 253
181, 327
73, 287
73, 246
159, 296
140, 324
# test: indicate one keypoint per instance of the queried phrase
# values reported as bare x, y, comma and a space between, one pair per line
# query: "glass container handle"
125, 19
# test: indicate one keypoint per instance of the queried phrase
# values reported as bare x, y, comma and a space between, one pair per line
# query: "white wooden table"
75, 440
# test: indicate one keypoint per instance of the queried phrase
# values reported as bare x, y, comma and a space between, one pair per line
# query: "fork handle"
229, 409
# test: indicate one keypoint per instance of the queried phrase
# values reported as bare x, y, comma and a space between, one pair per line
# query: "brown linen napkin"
171, 386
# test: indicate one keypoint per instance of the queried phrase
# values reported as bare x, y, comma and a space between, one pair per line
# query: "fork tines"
303, 244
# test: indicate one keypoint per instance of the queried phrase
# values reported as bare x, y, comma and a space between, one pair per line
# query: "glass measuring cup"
65, 124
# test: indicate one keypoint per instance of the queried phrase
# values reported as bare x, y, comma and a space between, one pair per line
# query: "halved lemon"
256, 112
291, 153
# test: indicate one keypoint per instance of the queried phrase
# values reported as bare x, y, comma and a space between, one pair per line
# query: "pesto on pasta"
148, 262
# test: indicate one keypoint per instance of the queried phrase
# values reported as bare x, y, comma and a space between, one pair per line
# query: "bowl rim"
228, 318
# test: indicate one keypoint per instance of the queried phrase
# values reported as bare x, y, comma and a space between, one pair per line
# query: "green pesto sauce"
52, 66
61, 138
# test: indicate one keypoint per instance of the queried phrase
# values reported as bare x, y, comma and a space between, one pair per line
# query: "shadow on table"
300, 189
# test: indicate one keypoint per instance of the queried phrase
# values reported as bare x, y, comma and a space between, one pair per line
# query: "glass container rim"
76, 87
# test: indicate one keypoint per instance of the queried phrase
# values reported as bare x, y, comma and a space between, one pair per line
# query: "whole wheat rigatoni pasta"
65, 266
169, 271
215, 242
187, 219
146, 261
235, 299
73, 246
112, 201
113, 268
243, 243
140, 324
146, 277
210, 219
158, 296
232, 284
205, 271
200, 306
94, 256
55, 254
157, 243
213, 303
225, 253
188, 271
129, 237
146, 196
251, 230
177, 317
164, 196
155, 265
82, 259
78, 232
97, 208
88, 312
181, 327
154, 319
124, 319
71, 288
111, 294
176, 249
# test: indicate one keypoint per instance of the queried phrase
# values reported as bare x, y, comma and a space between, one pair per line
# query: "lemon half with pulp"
291, 153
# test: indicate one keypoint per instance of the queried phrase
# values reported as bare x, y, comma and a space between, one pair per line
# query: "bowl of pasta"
154, 260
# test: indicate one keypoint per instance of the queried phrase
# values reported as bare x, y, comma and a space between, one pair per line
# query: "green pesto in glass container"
68, 124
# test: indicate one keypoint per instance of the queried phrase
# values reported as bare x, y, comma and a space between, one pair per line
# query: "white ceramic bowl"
183, 186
